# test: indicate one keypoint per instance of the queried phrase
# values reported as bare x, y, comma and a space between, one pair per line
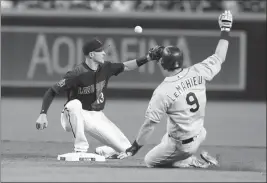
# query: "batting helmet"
172, 58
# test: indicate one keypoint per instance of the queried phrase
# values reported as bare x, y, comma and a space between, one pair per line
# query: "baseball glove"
156, 52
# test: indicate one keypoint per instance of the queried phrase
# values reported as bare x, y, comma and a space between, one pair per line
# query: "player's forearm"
47, 100
222, 47
134, 64
145, 132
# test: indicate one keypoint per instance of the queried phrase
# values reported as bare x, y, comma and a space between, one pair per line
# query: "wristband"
135, 144
43, 111
134, 148
225, 35
141, 61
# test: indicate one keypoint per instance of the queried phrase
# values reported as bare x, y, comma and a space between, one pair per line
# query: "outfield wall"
38, 48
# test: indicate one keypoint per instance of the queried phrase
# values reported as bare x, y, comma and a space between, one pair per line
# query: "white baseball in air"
138, 29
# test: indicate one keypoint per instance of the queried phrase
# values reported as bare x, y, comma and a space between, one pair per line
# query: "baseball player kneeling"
182, 97
86, 86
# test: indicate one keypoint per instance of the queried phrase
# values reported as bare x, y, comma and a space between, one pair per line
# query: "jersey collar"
88, 68
177, 76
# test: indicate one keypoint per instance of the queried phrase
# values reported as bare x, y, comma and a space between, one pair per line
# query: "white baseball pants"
78, 121
171, 153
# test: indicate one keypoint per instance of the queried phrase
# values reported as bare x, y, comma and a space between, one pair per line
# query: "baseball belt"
186, 141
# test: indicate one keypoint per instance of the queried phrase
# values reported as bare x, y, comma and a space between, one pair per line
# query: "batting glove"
226, 21
41, 122
131, 151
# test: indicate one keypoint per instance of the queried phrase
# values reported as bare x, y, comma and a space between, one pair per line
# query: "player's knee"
148, 162
74, 105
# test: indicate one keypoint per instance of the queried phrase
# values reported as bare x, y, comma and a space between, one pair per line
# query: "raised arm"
212, 65
225, 23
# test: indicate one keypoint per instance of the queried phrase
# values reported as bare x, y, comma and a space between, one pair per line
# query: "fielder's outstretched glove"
156, 52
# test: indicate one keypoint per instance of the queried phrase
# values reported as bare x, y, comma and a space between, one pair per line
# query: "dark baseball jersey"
88, 86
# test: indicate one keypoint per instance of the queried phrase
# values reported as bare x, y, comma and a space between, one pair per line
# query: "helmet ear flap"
180, 60
176, 65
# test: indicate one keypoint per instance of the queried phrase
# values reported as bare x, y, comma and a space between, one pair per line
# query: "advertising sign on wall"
40, 56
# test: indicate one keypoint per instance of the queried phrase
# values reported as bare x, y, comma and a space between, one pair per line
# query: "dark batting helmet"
172, 58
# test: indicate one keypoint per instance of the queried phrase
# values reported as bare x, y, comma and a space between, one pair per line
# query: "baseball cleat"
114, 156
209, 159
191, 162
107, 152
197, 163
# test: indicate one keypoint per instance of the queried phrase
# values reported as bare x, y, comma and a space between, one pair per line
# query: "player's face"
99, 56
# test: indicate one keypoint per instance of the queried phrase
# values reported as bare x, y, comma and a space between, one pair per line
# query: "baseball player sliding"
182, 96
86, 87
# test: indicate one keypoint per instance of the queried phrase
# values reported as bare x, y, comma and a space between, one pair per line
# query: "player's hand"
124, 155
131, 151
155, 53
41, 122
226, 21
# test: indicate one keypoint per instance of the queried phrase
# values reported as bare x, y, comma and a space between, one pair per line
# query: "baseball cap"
93, 45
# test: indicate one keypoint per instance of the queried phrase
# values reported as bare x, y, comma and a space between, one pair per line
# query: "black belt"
186, 141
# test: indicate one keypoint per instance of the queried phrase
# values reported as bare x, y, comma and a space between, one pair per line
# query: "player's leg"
102, 129
169, 153
107, 152
72, 120
191, 148
164, 154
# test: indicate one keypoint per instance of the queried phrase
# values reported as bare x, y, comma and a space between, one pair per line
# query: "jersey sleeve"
157, 107
209, 68
68, 81
115, 68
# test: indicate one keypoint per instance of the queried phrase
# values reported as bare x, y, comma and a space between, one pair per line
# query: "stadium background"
40, 40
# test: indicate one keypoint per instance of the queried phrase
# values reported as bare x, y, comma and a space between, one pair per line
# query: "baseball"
138, 29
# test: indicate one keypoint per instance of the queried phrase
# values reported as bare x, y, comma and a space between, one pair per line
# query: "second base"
81, 157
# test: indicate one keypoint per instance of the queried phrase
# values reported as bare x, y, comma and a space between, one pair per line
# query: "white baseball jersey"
183, 98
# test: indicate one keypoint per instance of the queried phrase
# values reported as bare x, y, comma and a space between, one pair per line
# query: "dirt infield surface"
36, 161
236, 136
